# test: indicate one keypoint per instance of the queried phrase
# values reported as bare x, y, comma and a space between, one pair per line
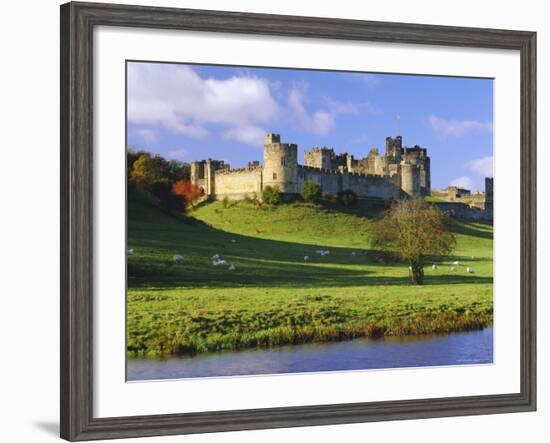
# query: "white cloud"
463, 182
318, 122
249, 135
481, 166
148, 136
457, 128
178, 99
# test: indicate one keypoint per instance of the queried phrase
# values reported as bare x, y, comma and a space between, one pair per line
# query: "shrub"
348, 198
311, 191
188, 190
271, 195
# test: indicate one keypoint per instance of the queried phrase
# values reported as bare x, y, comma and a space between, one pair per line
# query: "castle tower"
394, 149
410, 179
322, 158
280, 164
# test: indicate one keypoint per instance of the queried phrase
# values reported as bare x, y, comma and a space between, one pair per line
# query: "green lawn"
275, 297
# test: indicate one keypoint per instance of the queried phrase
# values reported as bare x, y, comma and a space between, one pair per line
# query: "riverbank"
459, 348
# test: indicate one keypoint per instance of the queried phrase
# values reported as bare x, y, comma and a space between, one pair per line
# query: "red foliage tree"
188, 190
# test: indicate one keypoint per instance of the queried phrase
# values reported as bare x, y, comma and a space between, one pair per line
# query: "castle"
401, 172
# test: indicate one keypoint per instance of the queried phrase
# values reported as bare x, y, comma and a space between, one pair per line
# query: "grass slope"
274, 297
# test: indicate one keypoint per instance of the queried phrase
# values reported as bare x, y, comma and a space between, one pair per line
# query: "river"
461, 348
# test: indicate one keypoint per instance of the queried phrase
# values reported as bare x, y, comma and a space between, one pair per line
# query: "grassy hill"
276, 297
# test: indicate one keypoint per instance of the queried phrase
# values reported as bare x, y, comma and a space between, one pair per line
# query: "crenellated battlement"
400, 171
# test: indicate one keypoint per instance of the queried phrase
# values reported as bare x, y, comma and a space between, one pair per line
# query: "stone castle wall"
329, 181
365, 186
372, 186
462, 210
375, 176
238, 183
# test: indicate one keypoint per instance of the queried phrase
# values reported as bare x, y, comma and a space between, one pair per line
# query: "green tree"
311, 191
177, 170
413, 229
271, 195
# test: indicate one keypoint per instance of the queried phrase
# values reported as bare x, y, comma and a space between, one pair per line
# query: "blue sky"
194, 112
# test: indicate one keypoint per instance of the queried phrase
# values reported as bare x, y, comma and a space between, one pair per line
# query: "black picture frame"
77, 23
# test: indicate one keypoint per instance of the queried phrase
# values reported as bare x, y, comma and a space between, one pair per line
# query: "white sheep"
353, 253
216, 257
130, 251
219, 262
453, 268
456, 263
469, 270
178, 258
306, 257
434, 267
233, 240
232, 268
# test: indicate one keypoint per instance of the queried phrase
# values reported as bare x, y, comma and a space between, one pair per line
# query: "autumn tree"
188, 190
413, 229
147, 170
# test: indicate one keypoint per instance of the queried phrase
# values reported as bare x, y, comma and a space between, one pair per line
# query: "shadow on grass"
259, 262
480, 229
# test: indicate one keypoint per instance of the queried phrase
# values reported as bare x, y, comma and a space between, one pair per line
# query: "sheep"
178, 258
306, 257
456, 263
434, 267
353, 253
130, 251
233, 240
232, 268
218, 262
469, 270
216, 257
453, 268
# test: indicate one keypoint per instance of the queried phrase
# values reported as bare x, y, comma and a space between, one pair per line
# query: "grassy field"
273, 296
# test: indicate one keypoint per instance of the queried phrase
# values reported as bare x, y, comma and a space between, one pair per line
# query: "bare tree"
413, 229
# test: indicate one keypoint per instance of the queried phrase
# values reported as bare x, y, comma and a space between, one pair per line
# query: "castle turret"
280, 164
410, 179
393, 149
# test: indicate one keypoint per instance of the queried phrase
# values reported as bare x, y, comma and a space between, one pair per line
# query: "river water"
461, 348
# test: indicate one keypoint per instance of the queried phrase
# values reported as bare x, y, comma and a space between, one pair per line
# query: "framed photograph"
272, 221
